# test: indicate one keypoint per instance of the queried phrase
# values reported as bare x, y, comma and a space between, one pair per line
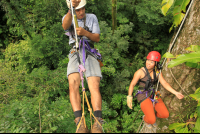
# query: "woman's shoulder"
140, 71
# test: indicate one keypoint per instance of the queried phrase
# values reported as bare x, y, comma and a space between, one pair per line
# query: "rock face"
188, 78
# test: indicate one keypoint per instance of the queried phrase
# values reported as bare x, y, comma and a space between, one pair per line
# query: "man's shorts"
92, 65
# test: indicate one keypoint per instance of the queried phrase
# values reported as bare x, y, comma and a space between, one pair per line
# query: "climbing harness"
85, 48
149, 86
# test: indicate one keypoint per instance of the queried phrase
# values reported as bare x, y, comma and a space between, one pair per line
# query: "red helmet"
154, 55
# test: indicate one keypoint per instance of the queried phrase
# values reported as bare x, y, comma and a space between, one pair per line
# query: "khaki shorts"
92, 65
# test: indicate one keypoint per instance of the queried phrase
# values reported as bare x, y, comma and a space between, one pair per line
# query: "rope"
140, 126
73, 12
82, 71
91, 114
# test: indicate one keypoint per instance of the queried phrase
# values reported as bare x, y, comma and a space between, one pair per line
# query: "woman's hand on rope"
179, 95
129, 101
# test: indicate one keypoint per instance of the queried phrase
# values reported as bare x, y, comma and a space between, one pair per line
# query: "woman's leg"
161, 109
148, 110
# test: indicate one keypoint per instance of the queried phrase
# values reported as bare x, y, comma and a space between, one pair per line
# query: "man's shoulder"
90, 15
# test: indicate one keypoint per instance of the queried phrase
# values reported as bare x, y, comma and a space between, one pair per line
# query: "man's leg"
93, 83
75, 99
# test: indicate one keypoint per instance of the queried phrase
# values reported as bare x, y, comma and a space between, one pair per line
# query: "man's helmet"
81, 4
154, 55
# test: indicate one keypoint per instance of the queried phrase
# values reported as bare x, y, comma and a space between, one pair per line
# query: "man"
93, 71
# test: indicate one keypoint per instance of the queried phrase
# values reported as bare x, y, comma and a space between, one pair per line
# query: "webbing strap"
148, 82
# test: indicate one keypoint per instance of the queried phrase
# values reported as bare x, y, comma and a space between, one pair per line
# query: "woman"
147, 77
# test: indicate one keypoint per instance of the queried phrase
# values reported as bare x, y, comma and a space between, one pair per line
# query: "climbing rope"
175, 40
85, 46
74, 19
170, 51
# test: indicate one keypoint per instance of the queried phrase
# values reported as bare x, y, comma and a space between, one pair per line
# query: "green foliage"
33, 62
189, 127
178, 11
192, 59
22, 116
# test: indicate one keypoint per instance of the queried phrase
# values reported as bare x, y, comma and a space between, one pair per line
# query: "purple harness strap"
141, 92
86, 46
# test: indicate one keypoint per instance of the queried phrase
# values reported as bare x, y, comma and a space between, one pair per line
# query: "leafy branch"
178, 11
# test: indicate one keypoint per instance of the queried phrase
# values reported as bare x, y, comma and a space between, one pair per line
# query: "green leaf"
192, 65
197, 91
191, 116
198, 65
179, 130
23, 131
182, 4
178, 18
166, 4
193, 48
168, 55
54, 128
197, 125
176, 125
191, 57
48, 115
185, 130
196, 96
198, 111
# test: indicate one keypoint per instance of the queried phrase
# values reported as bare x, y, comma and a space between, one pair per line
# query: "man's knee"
93, 82
74, 80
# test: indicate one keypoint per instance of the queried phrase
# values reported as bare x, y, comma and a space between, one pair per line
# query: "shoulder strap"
140, 79
149, 79
154, 77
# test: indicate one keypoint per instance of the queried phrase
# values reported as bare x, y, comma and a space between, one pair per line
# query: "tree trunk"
114, 15
188, 78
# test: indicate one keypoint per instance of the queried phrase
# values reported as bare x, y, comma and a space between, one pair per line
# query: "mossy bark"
188, 78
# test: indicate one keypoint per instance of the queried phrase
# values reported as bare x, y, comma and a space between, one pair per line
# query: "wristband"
69, 11
129, 96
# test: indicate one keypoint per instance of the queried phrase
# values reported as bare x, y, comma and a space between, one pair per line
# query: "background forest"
34, 55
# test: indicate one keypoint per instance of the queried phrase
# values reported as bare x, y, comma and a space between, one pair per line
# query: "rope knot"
90, 109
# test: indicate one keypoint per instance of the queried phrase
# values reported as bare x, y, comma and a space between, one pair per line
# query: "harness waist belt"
74, 46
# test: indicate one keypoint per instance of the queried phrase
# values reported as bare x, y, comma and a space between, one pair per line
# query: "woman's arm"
134, 81
169, 88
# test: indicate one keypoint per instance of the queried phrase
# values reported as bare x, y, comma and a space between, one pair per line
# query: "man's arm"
68, 18
92, 36
67, 21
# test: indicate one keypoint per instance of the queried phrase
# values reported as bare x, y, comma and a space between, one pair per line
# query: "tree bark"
114, 15
188, 78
